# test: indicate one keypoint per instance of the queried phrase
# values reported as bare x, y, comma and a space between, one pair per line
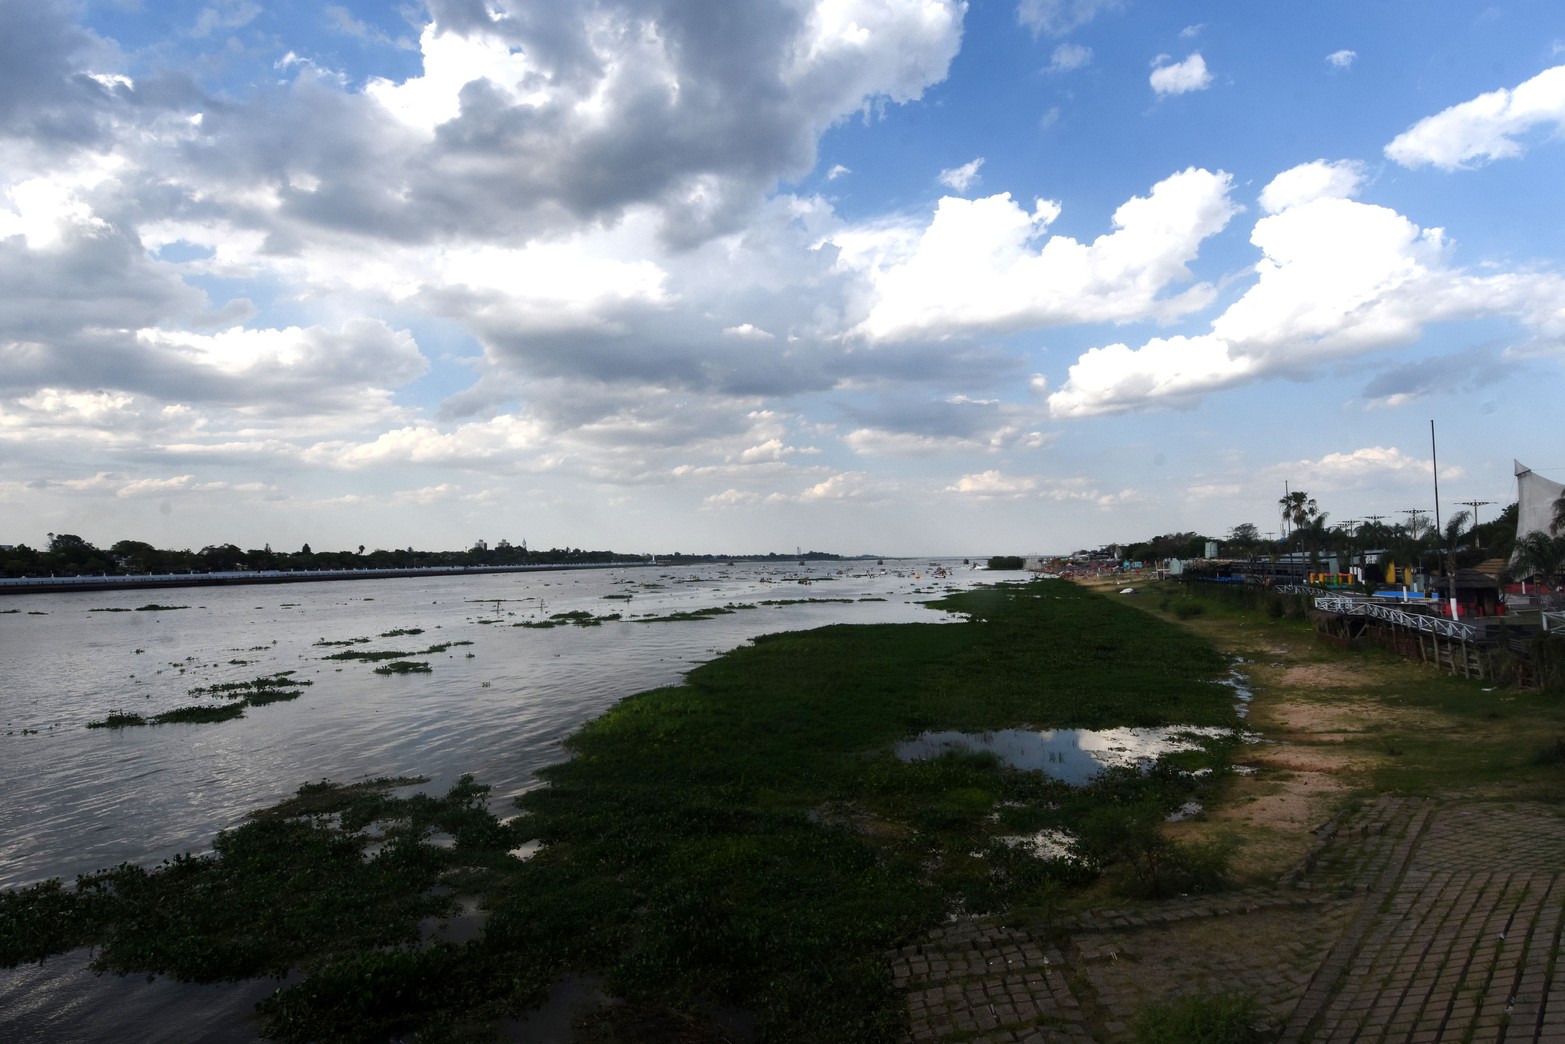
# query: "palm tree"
1453, 532
1559, 515
1313, 535
1298, 508
1540, 555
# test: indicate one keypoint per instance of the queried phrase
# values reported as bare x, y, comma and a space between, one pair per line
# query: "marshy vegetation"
687, 615
748, 839
258, 692
405, 667
573, 618
372, 656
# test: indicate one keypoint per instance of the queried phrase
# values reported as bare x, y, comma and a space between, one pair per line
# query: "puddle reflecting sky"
1075, 756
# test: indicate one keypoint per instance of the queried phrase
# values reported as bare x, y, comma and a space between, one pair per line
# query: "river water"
79, 799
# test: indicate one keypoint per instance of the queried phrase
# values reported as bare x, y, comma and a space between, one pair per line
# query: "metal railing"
1553, 621
1436, 625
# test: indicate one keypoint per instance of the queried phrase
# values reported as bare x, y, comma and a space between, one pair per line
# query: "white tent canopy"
1535, 497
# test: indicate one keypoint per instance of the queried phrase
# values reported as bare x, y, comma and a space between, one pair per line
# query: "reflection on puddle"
1240, 683
1045, 844
1074, 756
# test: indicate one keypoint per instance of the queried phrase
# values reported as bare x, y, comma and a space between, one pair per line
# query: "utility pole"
1475, 505
1413, 516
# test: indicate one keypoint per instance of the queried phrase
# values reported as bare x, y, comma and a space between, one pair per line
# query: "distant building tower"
1211, 549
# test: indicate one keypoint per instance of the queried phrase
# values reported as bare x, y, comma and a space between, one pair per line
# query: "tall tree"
1298, 509
1453, 533
1540, 555
1244, 536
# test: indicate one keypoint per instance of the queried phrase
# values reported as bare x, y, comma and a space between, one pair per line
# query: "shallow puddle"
1074, 756
1046, 844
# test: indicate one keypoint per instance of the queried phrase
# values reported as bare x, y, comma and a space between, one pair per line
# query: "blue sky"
892, 276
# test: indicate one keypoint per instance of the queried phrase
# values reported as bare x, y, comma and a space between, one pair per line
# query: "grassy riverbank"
1346, 725
743, 847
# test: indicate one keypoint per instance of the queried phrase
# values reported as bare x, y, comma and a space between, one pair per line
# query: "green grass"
747, 839
1406, 726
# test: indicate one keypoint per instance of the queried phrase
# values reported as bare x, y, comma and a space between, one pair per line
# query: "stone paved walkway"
1410, 921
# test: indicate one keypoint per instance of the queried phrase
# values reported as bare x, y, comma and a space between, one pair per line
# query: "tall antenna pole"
1434, 464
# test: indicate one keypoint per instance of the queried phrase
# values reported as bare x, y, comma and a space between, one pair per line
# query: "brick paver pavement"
1411, 921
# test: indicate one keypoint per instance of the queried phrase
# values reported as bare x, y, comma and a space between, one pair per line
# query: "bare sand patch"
1294, 787
1307, 720
1318, 676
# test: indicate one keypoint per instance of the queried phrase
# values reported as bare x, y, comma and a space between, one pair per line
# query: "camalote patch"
680, 853
258, 692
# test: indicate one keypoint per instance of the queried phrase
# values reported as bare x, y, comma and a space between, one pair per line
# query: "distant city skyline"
901, 277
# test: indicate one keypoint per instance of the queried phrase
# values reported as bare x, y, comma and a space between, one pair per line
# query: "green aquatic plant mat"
748, 839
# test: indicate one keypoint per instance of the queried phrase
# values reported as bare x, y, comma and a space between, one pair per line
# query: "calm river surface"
79, 799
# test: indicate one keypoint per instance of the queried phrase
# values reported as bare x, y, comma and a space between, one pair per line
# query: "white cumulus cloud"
1169, 77
988, 264
1310, 181
993, 483
960, 178
1068, 56
1338, 278
1485, 128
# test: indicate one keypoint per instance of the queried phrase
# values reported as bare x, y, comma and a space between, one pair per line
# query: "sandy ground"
1300, 775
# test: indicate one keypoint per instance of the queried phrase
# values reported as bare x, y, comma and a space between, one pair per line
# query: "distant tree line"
67, 554
771, 556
